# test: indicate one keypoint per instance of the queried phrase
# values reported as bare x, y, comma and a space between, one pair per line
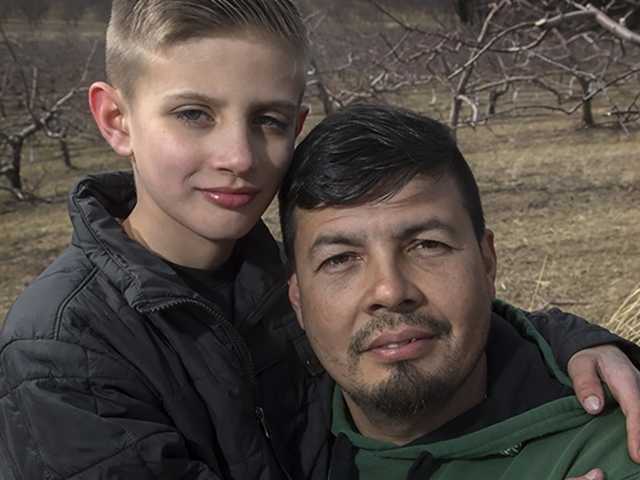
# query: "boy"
161, 341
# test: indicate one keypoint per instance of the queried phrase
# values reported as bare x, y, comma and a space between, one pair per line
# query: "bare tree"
34, 10
564, 54
42, 113
73, 10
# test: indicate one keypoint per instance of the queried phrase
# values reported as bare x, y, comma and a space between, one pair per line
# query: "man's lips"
404, 345
230, 198
397, 339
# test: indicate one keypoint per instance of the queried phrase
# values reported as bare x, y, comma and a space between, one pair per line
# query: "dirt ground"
564, 204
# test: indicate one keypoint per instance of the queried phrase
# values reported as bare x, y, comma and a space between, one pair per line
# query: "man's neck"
403, 431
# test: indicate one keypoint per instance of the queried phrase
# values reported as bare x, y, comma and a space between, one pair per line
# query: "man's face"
212, 125
395, 296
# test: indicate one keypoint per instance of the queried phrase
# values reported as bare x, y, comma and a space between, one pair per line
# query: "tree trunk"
587, 110
454, 116
327, 104
494, 96
66, 156
13, 175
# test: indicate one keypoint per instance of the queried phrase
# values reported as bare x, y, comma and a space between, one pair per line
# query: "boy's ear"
302, 116
294, 298
108, 110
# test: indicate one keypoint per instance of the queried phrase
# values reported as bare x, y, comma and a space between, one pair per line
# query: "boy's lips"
230, 198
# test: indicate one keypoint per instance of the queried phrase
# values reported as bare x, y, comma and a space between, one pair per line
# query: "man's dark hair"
366, 153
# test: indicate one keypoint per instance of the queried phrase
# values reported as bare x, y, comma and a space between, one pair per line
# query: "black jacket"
110, 356
111, 367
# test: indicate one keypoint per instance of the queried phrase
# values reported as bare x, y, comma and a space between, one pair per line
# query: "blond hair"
140, 27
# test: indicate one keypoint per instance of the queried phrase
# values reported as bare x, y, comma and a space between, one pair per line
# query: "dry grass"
562, 201
626, 319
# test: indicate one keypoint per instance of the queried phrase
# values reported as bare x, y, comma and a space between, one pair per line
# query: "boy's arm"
567, 334
60, 419
592, 355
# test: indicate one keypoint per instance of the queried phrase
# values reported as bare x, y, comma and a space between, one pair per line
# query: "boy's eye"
270, 121
195, 117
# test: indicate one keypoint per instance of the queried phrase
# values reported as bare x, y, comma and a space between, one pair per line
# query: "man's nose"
393, 287
235, 149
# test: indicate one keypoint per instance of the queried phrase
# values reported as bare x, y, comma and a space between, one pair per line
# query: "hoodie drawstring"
343, 454
424, 467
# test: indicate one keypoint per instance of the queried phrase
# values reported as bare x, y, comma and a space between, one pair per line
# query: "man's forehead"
423, 204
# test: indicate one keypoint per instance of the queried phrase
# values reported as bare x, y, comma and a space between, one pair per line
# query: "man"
392, 279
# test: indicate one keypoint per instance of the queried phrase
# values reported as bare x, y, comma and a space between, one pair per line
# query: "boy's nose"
236, 151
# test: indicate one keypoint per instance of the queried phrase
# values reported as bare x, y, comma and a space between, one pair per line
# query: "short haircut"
366, 153
138, 28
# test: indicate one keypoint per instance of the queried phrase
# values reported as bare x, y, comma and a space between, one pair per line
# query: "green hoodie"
555, 440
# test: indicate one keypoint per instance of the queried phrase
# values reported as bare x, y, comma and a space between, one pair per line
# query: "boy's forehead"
207, 65
220, 37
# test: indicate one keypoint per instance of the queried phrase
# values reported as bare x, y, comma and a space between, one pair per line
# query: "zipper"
267, 433
246, 360
237, 341
263, 422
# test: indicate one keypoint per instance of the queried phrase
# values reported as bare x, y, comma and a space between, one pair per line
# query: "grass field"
564, 203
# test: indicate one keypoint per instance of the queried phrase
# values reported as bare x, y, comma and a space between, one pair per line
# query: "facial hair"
408, 391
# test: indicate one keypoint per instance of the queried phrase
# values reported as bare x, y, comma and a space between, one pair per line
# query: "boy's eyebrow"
194, 96
285, 106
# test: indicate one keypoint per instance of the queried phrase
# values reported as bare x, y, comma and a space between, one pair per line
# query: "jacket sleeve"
567, 334
69, 412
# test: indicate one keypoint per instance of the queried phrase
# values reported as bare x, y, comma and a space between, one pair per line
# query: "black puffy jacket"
111, 367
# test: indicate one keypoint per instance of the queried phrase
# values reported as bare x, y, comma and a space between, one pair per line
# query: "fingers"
624, 383
595, 474
583, 370
588, 368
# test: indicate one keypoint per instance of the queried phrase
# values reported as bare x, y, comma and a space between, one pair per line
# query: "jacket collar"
99, 203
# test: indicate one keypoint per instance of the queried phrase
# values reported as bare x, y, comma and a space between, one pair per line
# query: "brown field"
564, 203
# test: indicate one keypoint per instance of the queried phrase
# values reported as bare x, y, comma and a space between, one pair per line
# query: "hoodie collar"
509, 351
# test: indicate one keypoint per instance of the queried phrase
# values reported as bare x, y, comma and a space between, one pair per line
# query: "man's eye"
430, 247
194, 117
337, 262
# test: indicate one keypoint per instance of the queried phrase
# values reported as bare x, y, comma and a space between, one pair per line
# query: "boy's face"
211, 129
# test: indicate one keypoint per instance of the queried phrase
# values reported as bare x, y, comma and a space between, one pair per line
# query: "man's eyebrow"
336, 238
407, 231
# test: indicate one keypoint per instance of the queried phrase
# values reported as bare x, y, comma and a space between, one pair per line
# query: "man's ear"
294, 298
302, 116
490, 260
108, 110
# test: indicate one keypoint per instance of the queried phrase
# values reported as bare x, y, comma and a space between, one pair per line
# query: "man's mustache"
360, 339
